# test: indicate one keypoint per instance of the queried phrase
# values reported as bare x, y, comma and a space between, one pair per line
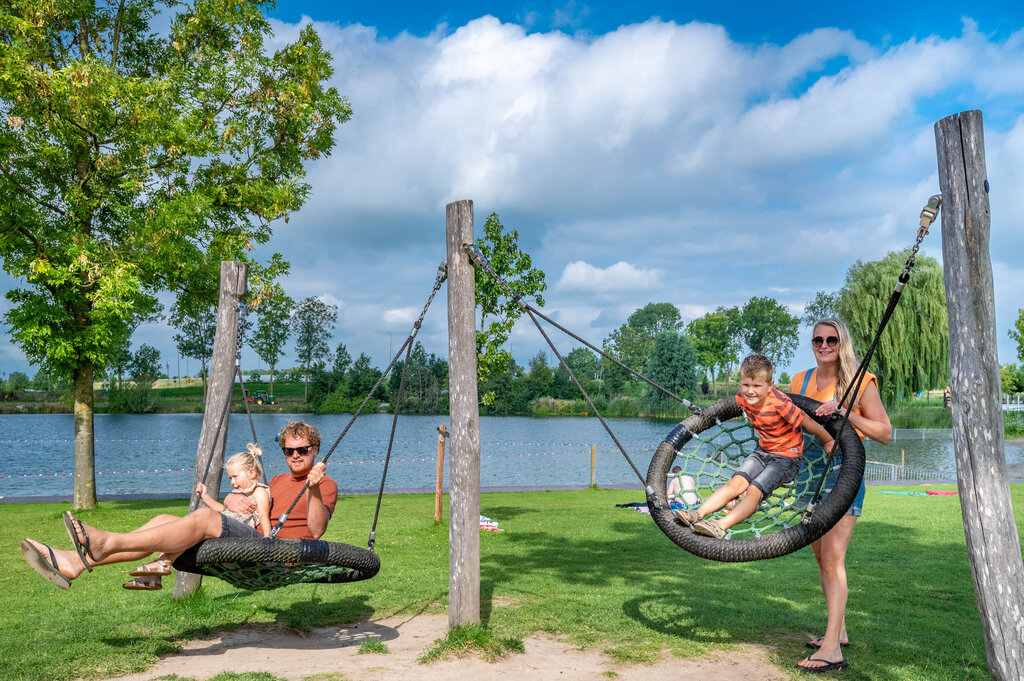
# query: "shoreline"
430, 490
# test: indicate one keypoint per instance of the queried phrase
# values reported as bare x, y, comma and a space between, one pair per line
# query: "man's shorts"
814, 453
766, 471
236, 529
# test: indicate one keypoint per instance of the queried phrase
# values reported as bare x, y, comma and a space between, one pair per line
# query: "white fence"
876, 471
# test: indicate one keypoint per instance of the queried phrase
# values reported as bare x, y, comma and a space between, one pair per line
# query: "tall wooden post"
464, 480
993, 546
213, 437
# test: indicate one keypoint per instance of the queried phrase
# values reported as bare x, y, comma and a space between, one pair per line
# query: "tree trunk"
271, 388
993, 544
85, 445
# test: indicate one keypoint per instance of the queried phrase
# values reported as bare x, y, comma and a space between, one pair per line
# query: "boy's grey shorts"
766, 471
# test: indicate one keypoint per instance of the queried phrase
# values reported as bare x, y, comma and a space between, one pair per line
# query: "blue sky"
692, 153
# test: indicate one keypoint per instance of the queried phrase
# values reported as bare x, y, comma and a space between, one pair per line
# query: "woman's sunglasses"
831, 341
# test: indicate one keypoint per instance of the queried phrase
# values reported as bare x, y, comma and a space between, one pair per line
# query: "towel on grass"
488, 524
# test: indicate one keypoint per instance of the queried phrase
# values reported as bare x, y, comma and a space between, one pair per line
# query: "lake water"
154, 454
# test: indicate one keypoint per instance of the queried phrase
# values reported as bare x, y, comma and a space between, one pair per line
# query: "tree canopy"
272, 328
633, 342
714, 338
673, 364
498, 310
913, 352
766, 327
823, 306
314, 323
1017, 334
127, 157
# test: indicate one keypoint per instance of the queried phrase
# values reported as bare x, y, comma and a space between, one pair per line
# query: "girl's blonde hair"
250, 459
848, 361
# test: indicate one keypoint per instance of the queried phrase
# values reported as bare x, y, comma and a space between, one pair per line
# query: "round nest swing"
263, 563
723, 458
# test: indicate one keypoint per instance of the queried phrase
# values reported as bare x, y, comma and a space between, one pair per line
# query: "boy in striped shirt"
776, 459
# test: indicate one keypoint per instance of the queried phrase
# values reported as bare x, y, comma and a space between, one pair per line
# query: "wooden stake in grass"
441, 434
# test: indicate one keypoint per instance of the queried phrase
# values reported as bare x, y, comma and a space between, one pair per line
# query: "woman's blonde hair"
250, 459
848, 361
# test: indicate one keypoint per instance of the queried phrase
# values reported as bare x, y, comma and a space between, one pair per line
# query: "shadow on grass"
910, 596
505, 513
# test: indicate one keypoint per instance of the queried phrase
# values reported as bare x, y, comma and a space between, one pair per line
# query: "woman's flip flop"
47, 568
83, 551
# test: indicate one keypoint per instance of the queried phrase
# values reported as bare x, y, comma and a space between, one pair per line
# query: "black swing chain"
476, 256
442, 275
928, 215
241, 378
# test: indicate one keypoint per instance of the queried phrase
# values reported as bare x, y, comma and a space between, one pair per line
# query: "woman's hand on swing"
827, 408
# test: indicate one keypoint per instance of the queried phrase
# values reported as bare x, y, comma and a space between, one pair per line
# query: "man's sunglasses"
301, 451
831, 341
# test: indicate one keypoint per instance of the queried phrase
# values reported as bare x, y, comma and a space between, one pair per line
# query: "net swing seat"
778, 527
262, 563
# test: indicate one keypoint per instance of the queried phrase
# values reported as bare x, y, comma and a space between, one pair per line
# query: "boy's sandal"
709, 528
158, 568
815, 643
688, 516
144, 584
70, 522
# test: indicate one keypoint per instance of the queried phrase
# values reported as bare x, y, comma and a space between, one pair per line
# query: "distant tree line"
689, 359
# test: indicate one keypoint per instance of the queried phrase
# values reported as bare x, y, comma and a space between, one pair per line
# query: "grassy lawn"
570, 563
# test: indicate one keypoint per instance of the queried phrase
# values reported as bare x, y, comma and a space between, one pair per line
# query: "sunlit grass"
567, 563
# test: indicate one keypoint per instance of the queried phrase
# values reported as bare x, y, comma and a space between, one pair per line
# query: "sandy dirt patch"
334, 650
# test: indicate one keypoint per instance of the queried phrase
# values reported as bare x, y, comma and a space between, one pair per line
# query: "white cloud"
622, 276
399, 316
705, 169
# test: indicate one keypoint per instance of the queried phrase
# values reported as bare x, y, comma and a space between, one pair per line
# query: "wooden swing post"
993, 545
214, 435
464, 479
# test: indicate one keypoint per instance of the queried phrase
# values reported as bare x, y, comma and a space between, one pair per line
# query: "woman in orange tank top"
836, 365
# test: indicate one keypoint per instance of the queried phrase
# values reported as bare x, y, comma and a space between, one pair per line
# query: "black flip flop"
83, 551
815, 643
47, 569
827, 667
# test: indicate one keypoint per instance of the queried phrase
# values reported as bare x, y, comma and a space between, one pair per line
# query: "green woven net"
273, 575
712, 457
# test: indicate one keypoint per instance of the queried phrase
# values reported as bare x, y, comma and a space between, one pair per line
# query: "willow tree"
126, 157
913, 352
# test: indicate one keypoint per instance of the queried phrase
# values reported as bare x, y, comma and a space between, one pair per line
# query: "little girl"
244, 471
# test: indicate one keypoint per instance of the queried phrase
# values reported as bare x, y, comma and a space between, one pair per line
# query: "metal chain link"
928, 215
